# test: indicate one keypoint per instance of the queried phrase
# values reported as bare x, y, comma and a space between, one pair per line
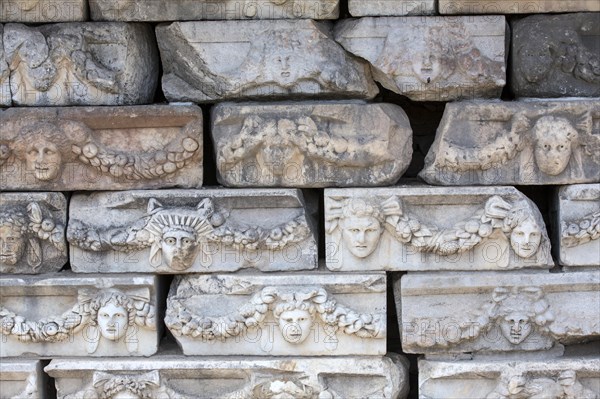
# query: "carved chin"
9, 259
180, 264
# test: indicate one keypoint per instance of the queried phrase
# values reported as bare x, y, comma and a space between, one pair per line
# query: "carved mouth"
285, 74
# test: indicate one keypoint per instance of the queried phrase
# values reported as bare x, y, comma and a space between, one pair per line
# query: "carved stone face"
12, 245
537, 62
525, 239
276, 158
553, 147
361, 235
44, 159
427, 64
179, 248
112, 321
295, 325
516, 327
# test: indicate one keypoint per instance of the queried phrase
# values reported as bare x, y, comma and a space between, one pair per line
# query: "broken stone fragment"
22, 379
5, 96
43, 11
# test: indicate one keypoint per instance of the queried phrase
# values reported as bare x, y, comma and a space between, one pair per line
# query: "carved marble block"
307, 314
177, 377
556, 55
452, 313
578, 225
433, 228
22, 379
32, 232
311, 144
81, 63
191, 231
71, 315
462, 7
524, 143
195, 10
5, 96
284, 59
376, 8
431, 58
567, 378
101, 148
43, 11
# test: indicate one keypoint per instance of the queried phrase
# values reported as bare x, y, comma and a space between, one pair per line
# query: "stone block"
43, 11
462, 7
191, 231
453, 313
578, 224
420, 228
101, 148
70, 315
431, 58
569, 378
5, 96
21, 379
81, 64
284, 59
380, 8
223, 378
32, 232
311, 144
522, 143
284, 314
556, 62
195, 10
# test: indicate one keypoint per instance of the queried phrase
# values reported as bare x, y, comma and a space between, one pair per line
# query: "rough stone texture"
578, 225
191, 231
568, 378
525, 143
433, 228
43, 11
22, 379
81, 64
431, 58
70, 315
515, 6
375, 8
311, 144
299, 314
284, 59
32, 232
556, 56
194, 10
497, 312
101, 148
222, 378
5, 96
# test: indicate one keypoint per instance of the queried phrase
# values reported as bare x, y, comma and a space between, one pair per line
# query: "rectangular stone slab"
514, 6
32, 232
376, 8
22, 379
185, 377
191, 231
578, 223
420, 228
497, 312
431, 58
195, 10
576, 378
110, 63
43, 11
212, 61
5, 96
316, 144
101, 148
89, 316
519, 142
284, 314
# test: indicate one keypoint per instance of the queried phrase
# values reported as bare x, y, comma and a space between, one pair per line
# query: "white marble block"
285, 314
70, 315
191, 231
5, 96
380, 8
316, 144
420, 228
22, 379
456, 313
462, 7
431, 58
178, 377
43, 11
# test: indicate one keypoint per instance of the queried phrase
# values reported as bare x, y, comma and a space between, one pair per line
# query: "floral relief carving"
578, 232
565, 385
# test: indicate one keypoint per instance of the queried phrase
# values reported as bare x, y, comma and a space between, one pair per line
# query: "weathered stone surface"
5, 97
43, 11
462, 7
431, 58
284, 59
32, 232
525, 143
433, 228
311, 144
191, 231
556, 62
568, 378
22, 379
300, 314
223, 378
497, 312
70, 315
375, 8
81, 64
578, 225
101, 148
195, 10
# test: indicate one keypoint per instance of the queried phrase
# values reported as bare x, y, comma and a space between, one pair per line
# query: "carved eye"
534, 234
170, 241
302, 319
186, 241
561, 147
119, 315
288, 320
105, 315
11, 239
546, 147
33, 152
48, 151
519, 233
355, 230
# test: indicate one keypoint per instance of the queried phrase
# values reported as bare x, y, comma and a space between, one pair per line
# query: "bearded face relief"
361, 234
295, 325
554, 144
180, 248
12, 244
516, 327
113, 321
525, 238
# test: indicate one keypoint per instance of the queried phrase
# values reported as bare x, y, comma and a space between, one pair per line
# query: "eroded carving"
563, 386
5, 97
578, 232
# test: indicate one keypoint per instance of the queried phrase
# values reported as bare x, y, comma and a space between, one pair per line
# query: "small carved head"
525, 232
113, 312
283, 389
107, 386
42, 155
362, 226
295, 318
555, 139
13, 236
537, 61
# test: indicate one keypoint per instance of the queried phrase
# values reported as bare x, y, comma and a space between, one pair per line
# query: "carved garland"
581, 231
